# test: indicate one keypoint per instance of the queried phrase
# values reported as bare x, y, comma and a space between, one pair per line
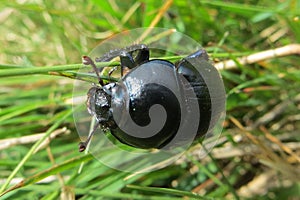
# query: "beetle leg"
111, 71
130, 49
198, 55
142, 55
83, 145
126, 61
127, 57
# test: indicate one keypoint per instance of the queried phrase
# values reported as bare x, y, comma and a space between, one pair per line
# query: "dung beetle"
139, 89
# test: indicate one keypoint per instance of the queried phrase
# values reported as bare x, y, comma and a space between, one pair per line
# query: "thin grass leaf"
126, 195
20, 71
242, 8
169, 191
51, 171
63, 116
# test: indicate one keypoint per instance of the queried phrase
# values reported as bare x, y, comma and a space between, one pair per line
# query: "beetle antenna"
88, 61
83, 145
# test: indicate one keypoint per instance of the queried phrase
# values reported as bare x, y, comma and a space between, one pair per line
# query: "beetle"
140, 89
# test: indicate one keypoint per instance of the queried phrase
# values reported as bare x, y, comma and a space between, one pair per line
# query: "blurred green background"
258, 152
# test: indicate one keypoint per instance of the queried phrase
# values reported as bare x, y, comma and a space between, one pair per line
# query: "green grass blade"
169, 191
63, 117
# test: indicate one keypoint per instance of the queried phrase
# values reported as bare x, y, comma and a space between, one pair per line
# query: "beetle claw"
82, 146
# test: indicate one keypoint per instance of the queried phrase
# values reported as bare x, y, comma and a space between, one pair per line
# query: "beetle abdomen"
208, 87
204, 102
154, 131
145, 105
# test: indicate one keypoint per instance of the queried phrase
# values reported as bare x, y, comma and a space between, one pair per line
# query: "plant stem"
16, 70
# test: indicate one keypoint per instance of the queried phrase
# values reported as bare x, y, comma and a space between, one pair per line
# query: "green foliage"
41, 47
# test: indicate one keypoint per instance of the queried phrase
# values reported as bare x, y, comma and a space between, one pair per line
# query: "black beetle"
140, 90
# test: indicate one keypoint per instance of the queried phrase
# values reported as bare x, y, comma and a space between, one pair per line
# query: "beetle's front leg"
126, 61
143, 55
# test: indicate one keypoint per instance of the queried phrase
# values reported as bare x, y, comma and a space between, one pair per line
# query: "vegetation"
258, 153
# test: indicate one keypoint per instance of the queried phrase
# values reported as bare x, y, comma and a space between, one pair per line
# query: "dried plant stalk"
290, 49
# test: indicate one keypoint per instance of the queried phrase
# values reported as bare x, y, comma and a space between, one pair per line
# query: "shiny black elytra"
101, 98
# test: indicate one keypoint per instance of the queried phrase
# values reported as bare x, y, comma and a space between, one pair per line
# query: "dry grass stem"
290, 49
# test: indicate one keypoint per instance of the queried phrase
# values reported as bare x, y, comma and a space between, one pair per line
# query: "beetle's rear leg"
198, 55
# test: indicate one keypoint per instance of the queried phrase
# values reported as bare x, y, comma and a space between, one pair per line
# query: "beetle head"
99, 103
